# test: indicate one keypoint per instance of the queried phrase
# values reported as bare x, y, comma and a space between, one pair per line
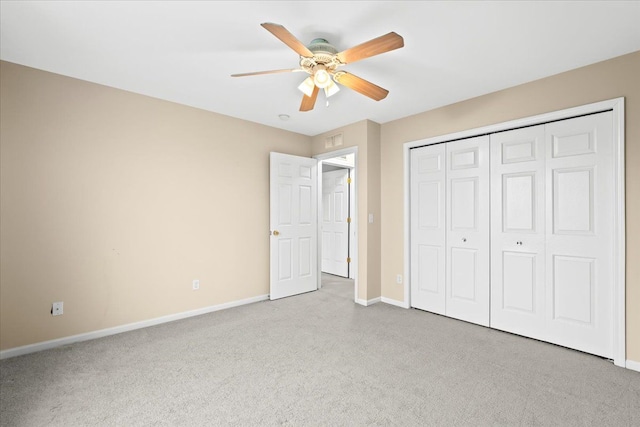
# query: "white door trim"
615, 105
354, 214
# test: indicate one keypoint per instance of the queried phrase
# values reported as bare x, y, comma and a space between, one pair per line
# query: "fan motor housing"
322, 46
324, 53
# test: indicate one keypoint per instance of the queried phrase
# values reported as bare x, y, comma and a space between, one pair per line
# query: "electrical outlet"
56, 309
399, 279
196, 285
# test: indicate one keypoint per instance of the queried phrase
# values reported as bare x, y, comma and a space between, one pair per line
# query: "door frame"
355, 226
616, 106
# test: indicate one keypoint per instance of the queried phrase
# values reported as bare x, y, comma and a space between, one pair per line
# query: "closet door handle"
464, 239
519, 243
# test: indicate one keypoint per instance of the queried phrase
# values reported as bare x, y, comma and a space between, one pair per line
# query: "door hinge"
348, 260
348, 180
349, 220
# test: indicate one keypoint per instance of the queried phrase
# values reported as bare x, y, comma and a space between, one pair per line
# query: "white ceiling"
185, 51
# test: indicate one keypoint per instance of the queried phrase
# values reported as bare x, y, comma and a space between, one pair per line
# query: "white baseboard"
367, 303
633, 365
46, 345
394, 302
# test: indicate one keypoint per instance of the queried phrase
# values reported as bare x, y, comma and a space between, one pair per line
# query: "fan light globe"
306, 86
331, 89
322, 79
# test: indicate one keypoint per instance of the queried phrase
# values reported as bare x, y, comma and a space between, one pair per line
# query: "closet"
514, 230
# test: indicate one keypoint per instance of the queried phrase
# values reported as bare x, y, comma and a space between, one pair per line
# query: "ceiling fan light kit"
321, 60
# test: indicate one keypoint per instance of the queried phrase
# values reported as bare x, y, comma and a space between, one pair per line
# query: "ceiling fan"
321, 61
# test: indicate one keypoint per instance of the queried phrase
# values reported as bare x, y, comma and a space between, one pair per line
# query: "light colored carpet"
316, 359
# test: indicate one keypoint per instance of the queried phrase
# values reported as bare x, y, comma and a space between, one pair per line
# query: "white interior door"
428, 228
518, 231
335, 228
579, 241
467, 240
294, 225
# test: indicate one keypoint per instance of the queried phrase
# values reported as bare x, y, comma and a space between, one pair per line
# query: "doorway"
337, 218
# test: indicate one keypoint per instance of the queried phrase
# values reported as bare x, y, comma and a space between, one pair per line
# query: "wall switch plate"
370, 218
196, 285
56, 309
399, 279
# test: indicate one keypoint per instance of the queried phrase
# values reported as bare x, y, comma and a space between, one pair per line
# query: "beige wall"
366, 136
618, 77
114, 202
374, 231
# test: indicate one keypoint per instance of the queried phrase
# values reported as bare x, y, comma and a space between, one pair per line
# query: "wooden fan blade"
371, 48
287, 38
361, 85
309, 101
257, 73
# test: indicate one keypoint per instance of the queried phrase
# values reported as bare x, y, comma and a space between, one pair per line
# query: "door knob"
276, 232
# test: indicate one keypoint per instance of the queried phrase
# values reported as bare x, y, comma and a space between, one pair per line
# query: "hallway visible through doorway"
338, 286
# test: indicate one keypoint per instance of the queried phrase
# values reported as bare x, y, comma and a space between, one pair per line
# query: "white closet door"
428, 250
518, 231
467, 240
579, 250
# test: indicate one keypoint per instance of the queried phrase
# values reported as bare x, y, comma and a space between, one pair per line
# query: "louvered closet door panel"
518, 231
467, 238
428, 228
579, 219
